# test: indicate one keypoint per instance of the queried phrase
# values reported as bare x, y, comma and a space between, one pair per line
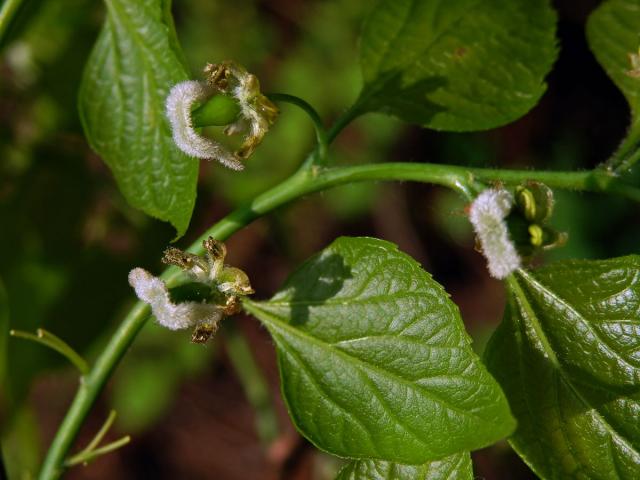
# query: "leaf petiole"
320, 156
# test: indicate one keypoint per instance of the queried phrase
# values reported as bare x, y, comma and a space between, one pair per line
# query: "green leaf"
612, 31
374, 359
454, 467
588, 311
456, 65
135, 61
567, 355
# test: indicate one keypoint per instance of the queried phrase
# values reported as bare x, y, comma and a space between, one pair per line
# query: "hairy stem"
627, 154
305, 181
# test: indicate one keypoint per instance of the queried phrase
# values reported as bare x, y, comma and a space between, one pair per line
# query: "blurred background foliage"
68, 239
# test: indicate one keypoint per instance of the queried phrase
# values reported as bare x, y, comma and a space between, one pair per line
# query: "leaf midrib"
584, 321
560, 371
356, 299
284, 326
117, 14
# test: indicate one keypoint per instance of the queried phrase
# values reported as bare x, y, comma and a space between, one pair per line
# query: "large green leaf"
613, 34
375, 361
567, 355
456, 65
589, 313
133, 65
454, 467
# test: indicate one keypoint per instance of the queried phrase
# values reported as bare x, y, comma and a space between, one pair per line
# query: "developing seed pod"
527, 223
535, 201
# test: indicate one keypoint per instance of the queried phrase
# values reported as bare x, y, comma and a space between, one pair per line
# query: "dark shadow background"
68, 239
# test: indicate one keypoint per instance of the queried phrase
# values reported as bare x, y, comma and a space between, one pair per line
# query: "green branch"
48, 339
627, 154
92, 451
93, 444
304, 182
84, 458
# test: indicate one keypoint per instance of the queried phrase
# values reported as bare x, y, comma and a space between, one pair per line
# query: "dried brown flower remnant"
223, 284
257, 113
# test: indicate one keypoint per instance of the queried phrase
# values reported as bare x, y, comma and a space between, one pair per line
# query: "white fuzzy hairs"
180, 101
487, 215
153, 291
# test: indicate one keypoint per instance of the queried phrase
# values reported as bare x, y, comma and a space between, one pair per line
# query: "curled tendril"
257, 113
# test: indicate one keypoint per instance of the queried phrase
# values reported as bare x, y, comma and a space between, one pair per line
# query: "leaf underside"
134, 63
456, 65
374, 359
568, 357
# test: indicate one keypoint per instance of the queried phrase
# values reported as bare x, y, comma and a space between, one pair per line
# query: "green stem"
48, 339
87, 456
101, 433
627, 154
253, 382
132, 324
345, 119
8, 11
321, 133
629, 160
89, 389
303, 182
